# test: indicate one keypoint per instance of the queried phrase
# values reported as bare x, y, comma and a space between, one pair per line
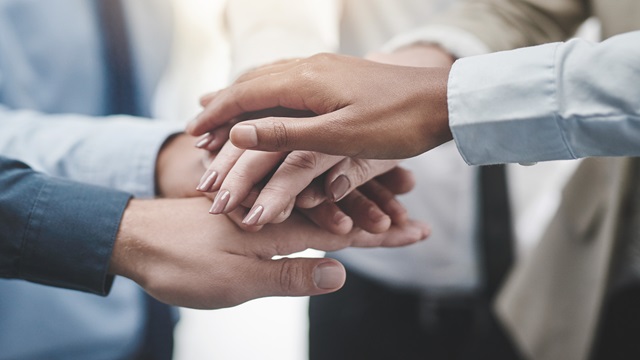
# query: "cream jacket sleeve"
263, 31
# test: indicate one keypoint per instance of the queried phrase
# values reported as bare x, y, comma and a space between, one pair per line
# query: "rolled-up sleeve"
550, 102
57, 232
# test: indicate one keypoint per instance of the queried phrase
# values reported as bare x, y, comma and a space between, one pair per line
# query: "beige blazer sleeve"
504, 25
552, 299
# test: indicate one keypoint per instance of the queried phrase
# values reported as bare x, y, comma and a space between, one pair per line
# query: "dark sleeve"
57, 232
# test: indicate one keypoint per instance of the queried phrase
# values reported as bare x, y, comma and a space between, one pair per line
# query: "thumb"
299, 277
317, 133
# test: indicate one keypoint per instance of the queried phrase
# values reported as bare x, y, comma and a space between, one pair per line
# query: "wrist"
128, 240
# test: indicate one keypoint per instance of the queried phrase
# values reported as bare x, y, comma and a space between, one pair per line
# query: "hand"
418, 55
179, 166
366, 109
184, 257
269, 183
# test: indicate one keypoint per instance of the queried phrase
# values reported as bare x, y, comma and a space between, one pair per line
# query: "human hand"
270, 184
418, 55
179, 166
184, 257
366, 109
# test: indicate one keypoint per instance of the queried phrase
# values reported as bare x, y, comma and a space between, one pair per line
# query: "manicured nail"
339, 188
375, 214
328, 276
254, 216
207, 180
245, 136
220, 202
204, 140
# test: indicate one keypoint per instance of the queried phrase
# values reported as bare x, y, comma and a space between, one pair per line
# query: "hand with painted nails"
181, 256
272, 184
364, 109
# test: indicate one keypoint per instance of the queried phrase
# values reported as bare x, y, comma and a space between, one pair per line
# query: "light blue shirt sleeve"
550, 102
118, 152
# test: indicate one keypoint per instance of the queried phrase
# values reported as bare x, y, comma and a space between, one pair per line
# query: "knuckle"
361, 171
290, 276
303, 160
279, 134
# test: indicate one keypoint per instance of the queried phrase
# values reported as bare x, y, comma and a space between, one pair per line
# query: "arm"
557, 101
56, 232
383, 111
482, 26
119, 152
70, 235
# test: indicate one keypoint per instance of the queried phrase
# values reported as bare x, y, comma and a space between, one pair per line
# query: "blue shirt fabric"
53, 116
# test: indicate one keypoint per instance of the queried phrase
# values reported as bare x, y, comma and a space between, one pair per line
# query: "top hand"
366, 109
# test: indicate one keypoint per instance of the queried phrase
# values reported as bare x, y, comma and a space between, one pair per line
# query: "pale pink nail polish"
220, 202
207, 180
204, 140
254, 216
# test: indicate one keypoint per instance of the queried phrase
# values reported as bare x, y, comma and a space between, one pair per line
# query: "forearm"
556, 101
116, 152
56, 232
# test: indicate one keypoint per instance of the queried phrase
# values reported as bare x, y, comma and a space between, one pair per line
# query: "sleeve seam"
28, 230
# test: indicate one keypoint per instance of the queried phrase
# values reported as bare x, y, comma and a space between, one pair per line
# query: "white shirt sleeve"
556, 101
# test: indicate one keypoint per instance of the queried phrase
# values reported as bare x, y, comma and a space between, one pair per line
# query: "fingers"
250, 169
398, 180
297, 171
215, 139
320, 133
408, 234
351, 173
291, 277
386, 201
224, 161
365, 213
246, 97
329, 217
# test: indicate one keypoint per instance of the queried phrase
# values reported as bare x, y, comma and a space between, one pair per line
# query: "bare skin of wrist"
179, 166
182, 256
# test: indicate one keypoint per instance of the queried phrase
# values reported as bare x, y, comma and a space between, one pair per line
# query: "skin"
366, 109
294, 175
182, 256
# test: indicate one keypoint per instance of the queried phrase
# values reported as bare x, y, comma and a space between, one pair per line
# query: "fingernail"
204, 140
375, 214
207, 180
254, 216
220, 202
339, 187
328, 276
245, 136
339, 217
